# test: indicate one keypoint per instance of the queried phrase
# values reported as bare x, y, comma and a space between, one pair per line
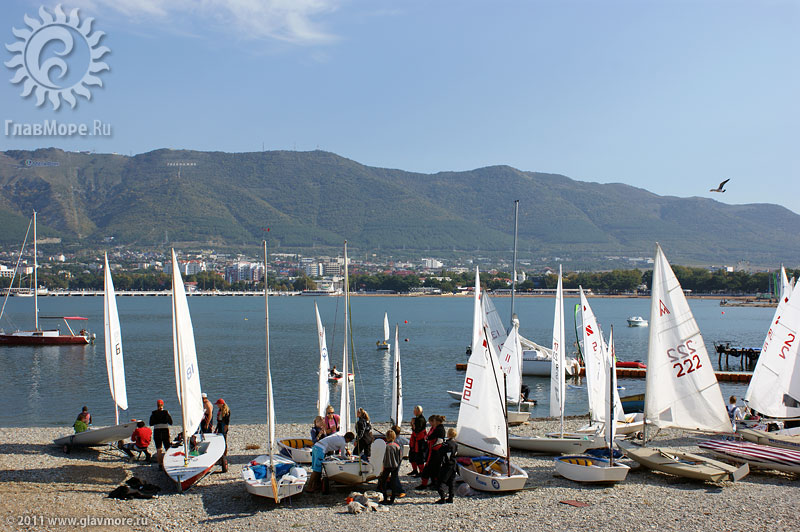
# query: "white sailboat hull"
590, 469
633, 423
491, 474
578, 443
682, 464
290, 484
95, 437
298, 449
355, 470
187, 475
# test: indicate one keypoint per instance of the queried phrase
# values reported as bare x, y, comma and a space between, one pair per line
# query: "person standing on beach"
447, 468
434, 439
331, 421
389, 478
160, 420
364, 436
318, 429
416, 444
223, 423
207, 425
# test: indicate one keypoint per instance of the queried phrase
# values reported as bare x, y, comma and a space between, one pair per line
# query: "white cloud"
292, 21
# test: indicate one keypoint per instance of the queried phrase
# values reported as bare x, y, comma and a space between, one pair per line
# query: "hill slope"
318, 199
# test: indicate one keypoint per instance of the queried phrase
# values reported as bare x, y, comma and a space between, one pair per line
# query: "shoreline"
38, 479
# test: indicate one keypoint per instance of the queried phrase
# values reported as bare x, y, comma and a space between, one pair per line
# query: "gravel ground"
38, 482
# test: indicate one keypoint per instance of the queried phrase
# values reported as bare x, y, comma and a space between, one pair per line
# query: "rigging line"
16, 267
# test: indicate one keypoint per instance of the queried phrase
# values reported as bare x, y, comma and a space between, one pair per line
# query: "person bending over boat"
334, 373
447, 468
335, 443
416, 445
390, 478
331, 421
223, 423
435, 440
160, 420
364, 436
318, 430
140, 441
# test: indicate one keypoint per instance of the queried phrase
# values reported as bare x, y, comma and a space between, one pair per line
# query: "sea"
47, 386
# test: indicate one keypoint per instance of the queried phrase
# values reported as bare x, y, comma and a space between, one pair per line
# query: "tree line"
698, 280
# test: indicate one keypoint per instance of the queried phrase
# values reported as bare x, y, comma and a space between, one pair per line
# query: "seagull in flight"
720, 188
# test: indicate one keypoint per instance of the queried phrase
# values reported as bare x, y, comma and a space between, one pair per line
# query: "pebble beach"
40, 484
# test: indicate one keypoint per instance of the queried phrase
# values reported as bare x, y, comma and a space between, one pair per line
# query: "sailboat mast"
35, 279
610, 414
270, 421
514, 266
505, 409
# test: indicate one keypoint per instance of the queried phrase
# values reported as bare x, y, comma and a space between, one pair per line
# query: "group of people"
160, 421
432, 452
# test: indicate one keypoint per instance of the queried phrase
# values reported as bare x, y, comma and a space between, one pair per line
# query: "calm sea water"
46, 386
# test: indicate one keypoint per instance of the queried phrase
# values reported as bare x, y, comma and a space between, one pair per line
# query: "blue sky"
670, 96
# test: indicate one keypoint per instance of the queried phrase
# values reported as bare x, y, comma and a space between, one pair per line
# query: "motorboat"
637, 321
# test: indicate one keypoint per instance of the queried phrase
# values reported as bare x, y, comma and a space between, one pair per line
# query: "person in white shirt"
330, 444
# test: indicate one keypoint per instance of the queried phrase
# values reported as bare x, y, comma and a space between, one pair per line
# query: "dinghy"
557, 443
681, 389
755, 455
272, 475
590, 468
299, 449
188, 464
774, 389
354, 470
116, 377
384, 345
482, 424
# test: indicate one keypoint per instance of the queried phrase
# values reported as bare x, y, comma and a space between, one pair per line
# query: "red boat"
634, 365
49, 336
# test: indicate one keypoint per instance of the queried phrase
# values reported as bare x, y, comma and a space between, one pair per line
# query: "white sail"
786, 285
270, 398
324, 393
681, 390
385, 327
481, 415
559, 355
497, 331
397, 382
511, 363
612, 402
113, 344
187, 374
595, 355
344, 403
775, 387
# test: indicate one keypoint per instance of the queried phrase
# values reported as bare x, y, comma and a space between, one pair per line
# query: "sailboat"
561, 442
116, 377
354, 470
188, 464
299, 449
774, 389
594, 352
583, 468
384, 345
396, 415
44, 336
272, 475
482, 424
681, 389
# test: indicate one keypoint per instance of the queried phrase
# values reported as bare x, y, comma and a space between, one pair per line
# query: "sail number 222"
684, 358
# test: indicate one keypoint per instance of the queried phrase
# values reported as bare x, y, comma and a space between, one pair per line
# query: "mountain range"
317, 199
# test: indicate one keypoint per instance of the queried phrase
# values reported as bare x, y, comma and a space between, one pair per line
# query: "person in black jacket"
435, 439
364, 437
447, 467
223, 422
160, 420
417, 447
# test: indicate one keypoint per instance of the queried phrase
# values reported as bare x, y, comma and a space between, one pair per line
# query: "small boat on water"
384, 344
637, 321
336, 379
37, 336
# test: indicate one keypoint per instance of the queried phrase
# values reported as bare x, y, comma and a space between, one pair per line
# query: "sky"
671, 96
